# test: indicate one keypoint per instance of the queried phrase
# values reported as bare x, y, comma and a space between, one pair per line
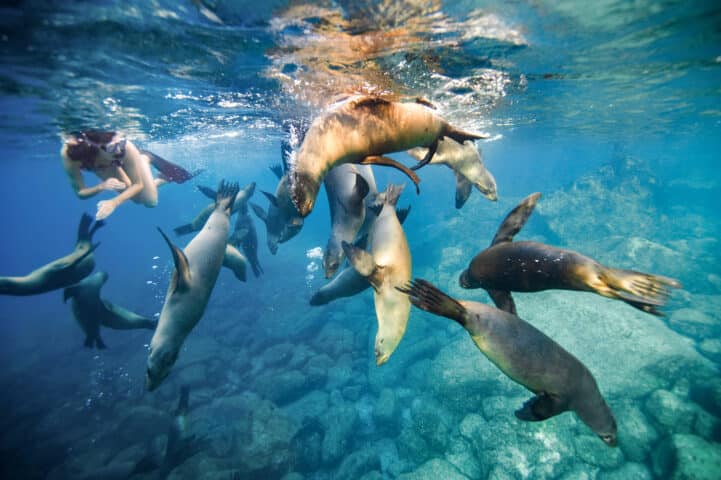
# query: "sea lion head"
332, 258
466, 281
385, 346
272, 243
604, 425
487, 186
160, 361
303, 191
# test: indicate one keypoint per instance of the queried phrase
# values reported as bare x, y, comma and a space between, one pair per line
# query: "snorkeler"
121, 165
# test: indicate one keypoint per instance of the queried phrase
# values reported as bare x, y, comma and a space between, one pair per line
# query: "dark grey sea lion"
196, 271
246, 237
240, 204
508, 266
527, 356
91, 311
361, 130
281, 220
346, 189
63, 272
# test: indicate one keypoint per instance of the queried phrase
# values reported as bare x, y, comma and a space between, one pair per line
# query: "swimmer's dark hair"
87, 145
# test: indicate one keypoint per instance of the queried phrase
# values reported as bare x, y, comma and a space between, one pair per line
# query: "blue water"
611, 110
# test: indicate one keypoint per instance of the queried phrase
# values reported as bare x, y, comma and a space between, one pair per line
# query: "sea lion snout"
303, 191
465, 281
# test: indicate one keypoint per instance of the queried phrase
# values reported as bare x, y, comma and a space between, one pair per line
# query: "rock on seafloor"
432, 470
687, 457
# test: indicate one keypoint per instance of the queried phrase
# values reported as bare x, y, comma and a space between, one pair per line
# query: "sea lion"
282, 221
91, 311
235, 261
240, 204
386, 266
527, 356
361, 130
349, 282
195, 274
346, 189
466, 162
508, 266
245, 236
59, 273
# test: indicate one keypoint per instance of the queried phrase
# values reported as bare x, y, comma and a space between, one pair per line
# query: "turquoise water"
611, 111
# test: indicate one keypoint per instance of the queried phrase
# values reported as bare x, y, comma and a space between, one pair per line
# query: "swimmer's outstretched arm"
78, 183
106, 207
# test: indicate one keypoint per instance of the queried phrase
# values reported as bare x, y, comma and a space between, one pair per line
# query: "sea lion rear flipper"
184, 229
514, 221
640, 290
84, 227
540, 407
429, 155
207, 191
181, 278
79, 259
463, 190
363, 262
426, 296
503, 300
99, 344
389, 162
169, 170
225, 196
88, 343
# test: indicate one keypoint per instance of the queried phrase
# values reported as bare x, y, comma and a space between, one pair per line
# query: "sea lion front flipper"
259, 212
82, 257
207, 191
360, 188
181, 278
503, 300
184, 229
463, 190
277, 170
69, 292
429, 155
540, 407
402, 213
426, 296
363, 262
389, 162
271, 198
514, 221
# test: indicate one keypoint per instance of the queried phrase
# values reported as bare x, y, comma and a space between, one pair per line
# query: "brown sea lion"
386, 266
559, 380
361, 130
508, 266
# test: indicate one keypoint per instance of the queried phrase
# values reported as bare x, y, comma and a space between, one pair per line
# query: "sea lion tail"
226, 195
640, 290
426, 296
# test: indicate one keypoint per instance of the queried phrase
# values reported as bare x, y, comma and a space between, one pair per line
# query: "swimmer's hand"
105, 208
113, 184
